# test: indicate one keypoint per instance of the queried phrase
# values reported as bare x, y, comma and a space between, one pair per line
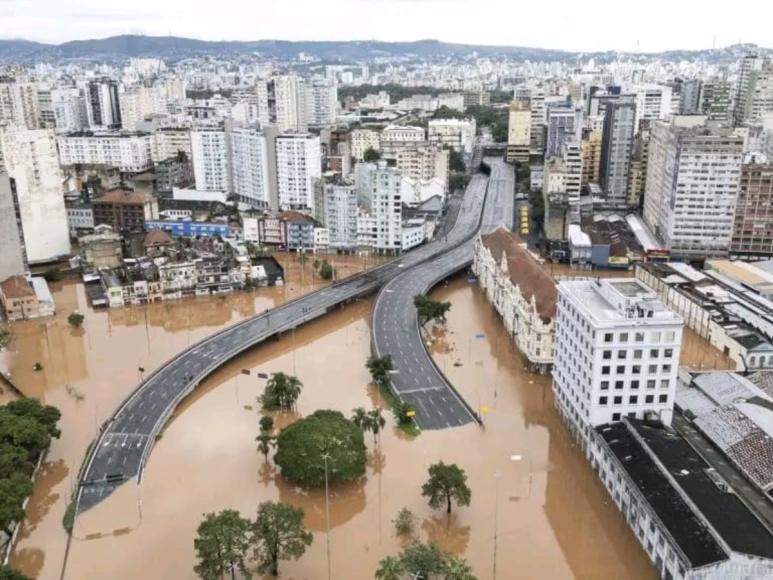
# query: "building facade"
169, 141
124, 210
616, 150
386, 208
13, 257
128, 152
249, 167
753, 224
103, 107
321, 102
19, 103
209, 153
362, 140
341, 215
692, 187
519, 131
298, 168
458, 134
282, 102
521, 292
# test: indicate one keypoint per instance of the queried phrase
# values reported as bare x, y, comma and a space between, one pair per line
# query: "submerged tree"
222, 542
278, 533
446, 483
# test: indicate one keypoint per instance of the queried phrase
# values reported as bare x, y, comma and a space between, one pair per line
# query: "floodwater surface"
554, 519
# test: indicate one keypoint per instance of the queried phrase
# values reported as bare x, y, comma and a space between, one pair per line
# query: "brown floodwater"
554, 517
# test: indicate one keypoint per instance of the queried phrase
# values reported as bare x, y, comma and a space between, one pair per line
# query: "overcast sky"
560, 24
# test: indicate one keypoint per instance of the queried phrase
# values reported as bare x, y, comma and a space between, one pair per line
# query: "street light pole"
325, 457
496, 520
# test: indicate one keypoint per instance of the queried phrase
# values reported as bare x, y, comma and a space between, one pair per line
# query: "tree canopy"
430, 310
456, 161
423, 559
222, 541
371, 155
390, 568
5, 338
446, 483
75, 319
380, 367
13, 491
325, 270
300, 448
282, 392
278, 533
8, 573
456, 568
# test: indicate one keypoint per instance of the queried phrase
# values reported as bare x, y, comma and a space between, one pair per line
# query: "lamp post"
325, 457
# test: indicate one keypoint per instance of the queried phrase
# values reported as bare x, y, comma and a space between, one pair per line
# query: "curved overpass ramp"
126, 439
395, 330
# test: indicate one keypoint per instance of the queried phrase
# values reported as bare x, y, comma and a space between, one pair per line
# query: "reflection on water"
554, 520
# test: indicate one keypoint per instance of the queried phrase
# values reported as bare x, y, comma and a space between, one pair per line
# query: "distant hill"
170, 47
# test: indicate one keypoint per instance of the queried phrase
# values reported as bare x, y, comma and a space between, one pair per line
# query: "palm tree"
456, 568
290, 392
377, 422
361, 419
390, 568
265, 442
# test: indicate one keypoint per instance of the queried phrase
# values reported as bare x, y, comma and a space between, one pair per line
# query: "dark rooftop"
693, 537
737, 526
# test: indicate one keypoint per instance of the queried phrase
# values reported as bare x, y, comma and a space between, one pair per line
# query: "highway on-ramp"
395, 330
126, 439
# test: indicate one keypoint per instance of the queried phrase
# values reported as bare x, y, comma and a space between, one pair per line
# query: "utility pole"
496, 517
325, 457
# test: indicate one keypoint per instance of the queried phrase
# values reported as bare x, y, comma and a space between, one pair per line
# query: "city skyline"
344, 20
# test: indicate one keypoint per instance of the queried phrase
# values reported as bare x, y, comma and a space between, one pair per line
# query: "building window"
637, 354
651, 384
618, 400
632, 415
634, 385
620, 370
622, 354
666, 368
668, 353
607, 355
633, 400
652, 369
663, 399
670, 336
615, 416
619, 385
603, 401
655, 337
604, 385
649, 399
623, 337
636, 370
654, 353
608, 337
664, 384
605, 370
639, 337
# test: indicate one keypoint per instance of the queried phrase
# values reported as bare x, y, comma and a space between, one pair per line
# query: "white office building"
69, 109
298, 168
209, 153
652, 102
616, 353
29, 157
249, 167
363, 139
282, 102
128, 152
341, 215
396, 137
564, 123
321, 102
692, 182
103, 107
169, 141
456, 133
386, 208
139, 102
19, 103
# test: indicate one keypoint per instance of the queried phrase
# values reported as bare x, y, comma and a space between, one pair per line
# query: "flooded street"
554, 519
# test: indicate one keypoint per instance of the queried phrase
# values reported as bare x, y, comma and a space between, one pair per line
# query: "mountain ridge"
173, 47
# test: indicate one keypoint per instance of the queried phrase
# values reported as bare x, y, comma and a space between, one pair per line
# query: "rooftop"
614, 231
685, 527
524, 271
16, 287
126, 196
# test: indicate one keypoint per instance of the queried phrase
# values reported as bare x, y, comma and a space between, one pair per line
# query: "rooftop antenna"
714, 44
637, 45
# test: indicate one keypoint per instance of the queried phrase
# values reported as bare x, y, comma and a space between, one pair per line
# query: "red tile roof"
16, 287
157, 236
524, 271
294, 216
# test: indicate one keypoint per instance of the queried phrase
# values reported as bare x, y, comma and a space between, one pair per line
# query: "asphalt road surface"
395, 329
126, 439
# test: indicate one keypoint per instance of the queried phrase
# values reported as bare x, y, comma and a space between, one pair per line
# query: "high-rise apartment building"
652, 102
298, 169
29, 157
717, 100
616, 354
563, 123
209, 153
591, 156
616, 151
572, 157
537, 102
249, 167
19, 103
690, 97
639, 160
363, 139
69, 109
341, 215
128, 152
386, 208
692, 186
139, 102
422, 162
13, 257
169, 141
754, 91
282, 102
103, 105
519, 131
397, 137
753, 227
321, 102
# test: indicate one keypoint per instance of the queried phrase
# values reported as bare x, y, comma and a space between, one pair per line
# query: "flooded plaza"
554, 517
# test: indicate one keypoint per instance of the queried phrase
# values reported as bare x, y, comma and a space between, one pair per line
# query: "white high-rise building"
362, 140
341, 215
456, 133
169, 141
754, 89
519, 131
209, 154
249, 166
616, 353
29, 157
298, 168
652, 102
139, 102
282, 102
564, 123
19, 103
69, 108
103, 106
572, 156
396, 137
692, 186
321, 102
387, 207
129, 152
